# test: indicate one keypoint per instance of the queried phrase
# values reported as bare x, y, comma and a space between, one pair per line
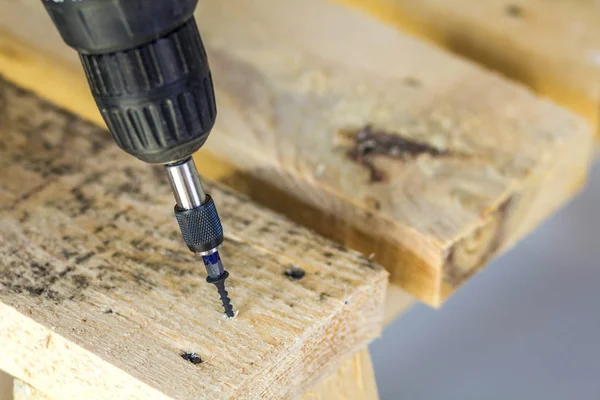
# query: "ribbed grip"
201, 227
157, 99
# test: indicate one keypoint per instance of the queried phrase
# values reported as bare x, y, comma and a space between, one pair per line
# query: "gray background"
526, 327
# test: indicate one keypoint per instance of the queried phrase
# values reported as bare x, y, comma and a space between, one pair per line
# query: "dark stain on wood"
367, 262
35, 280
412, 82
340, 247
85, 257
369, 143
513, 10
454, 274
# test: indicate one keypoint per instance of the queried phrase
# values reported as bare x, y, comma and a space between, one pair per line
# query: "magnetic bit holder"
201, 227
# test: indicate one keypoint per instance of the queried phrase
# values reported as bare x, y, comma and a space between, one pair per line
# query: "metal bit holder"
199, 223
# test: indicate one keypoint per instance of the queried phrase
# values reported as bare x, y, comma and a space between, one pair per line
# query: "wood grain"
429, 163
100, 299
353, 380
551, 46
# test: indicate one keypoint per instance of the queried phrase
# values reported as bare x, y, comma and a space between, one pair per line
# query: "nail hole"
295, 273
191, 357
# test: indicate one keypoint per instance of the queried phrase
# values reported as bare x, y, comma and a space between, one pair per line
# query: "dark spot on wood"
372, 203
80, 281
108, 311
119, 214
513, 10
84, 203
295, 273
191, 357
142, 279
412, 82
85, 257
24, 217
65, 271
328, 254
366, 262
68, 254
370, 143
265, 229
291, 305
323, 297
340, 247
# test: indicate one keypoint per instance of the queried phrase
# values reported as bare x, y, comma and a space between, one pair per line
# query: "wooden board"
429, 163
353, 380
99, 297
551, 46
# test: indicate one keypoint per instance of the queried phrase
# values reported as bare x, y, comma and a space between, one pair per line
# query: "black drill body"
149, 74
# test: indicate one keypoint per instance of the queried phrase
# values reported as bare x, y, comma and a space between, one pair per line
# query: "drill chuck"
148, 72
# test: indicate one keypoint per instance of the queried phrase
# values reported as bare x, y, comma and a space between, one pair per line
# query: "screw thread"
225, 298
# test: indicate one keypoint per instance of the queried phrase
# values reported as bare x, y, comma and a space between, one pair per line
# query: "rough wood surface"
353, 380
99, 297
429, 163
551, 46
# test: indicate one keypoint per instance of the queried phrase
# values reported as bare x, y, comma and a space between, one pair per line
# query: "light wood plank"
99, 298
470, 163
353, 380
551, 46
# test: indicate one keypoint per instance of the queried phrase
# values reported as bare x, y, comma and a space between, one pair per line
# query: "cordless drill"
149, 74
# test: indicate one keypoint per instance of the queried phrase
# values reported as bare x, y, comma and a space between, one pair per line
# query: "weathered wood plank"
397, 149
353, 380
99, 298
551, 46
